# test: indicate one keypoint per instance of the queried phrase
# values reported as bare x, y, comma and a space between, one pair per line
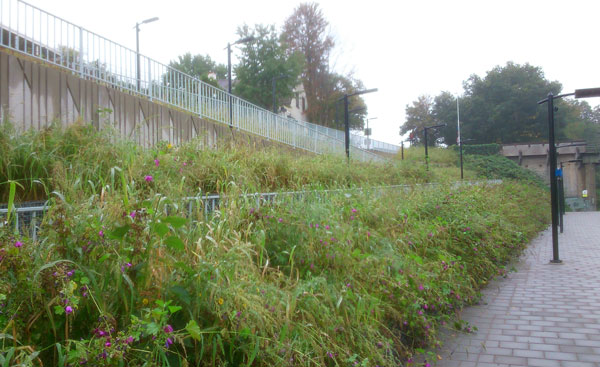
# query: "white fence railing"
39, 34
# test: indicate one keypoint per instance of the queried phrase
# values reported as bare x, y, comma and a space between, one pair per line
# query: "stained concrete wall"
34, 94
577, 176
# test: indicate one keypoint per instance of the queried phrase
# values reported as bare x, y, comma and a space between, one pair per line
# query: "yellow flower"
145, 301
199, 295
220, 301
169, 146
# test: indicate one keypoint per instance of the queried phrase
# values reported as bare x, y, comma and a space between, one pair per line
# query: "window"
303, 104
297, 100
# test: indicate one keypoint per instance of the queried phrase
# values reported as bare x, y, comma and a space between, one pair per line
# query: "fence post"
81, 52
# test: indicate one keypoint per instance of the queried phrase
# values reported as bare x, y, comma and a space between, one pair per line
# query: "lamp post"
426, 151
460, 144
346, 114
137, 47
579, 93
241, 40
275, 79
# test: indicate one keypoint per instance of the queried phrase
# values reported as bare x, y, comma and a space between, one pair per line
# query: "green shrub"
500, 167
479, 149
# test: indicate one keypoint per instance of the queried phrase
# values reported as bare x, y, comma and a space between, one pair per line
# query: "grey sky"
404, 48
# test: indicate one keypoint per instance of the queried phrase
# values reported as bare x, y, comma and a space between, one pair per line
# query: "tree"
306, 32
502, 107
419, 115
334, 87
262, 60
199, 67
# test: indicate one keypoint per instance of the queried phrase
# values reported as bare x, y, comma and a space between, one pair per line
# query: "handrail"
27, 29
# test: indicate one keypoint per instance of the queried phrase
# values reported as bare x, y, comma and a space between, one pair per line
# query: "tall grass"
124, 275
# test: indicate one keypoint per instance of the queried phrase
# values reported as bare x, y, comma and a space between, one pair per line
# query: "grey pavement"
542, 315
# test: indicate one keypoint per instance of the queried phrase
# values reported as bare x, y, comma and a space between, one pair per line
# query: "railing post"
81, 52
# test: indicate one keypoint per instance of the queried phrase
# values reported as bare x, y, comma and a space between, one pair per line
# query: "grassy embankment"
361, 278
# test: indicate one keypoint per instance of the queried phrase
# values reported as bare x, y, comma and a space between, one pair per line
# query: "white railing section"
39, 34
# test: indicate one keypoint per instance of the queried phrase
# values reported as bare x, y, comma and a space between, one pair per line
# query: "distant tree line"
502, 108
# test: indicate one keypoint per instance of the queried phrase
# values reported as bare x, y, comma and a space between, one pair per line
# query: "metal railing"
356, 140
39, 34
29, 218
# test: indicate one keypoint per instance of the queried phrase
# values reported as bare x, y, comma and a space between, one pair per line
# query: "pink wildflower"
156, 162
354, 210
101, 233
149, 178
18, 244
68, 310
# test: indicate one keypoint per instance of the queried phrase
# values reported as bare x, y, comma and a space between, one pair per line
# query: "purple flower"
107, 344
18, 244
330, 355
251, 210
354, 210
280, 220
129, 340
327, 226
101, 233
149, 178
156, 162
132, 214
168, 329
68, 310
429, 234
70, 273
421, 287
352, 217
128, 265
168, 342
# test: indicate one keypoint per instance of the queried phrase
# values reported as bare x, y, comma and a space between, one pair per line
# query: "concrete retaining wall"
34, 94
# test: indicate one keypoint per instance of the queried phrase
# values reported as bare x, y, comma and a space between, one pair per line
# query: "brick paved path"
542, 315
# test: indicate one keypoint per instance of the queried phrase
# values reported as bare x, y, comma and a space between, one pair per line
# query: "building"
298, 105
577, 160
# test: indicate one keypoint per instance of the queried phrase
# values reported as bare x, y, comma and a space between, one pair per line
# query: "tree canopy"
502, 108
263, 59
306, 31
199, 66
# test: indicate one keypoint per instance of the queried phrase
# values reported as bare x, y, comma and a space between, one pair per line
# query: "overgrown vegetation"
126, 273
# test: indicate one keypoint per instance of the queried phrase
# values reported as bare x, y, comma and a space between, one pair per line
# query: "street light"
579, 93
460, 143
275, 79
240, 41
137, 46
346, 114
425, 131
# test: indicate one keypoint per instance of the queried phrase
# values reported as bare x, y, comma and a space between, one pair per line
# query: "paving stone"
542, 315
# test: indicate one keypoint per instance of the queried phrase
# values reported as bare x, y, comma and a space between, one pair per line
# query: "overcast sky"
404, 48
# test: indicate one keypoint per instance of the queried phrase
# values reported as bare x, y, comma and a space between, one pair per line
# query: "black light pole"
137, 47
426, 151
346, 119
241, 40
402, 149
579, 93
275, 79
460, 144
